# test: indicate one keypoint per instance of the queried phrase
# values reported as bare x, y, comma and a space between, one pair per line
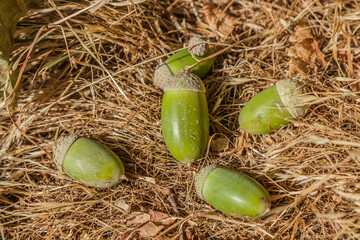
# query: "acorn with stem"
184, 116
197, 51
232, 192
88, 161
272, 108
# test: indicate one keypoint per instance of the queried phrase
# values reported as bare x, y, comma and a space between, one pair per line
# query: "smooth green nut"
88, 161
184, 117
196, 51
275, 105
232, 192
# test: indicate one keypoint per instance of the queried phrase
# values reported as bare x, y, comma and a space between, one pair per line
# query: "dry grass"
311, 168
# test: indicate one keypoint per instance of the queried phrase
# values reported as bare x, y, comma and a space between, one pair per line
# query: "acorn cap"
201, 177
197, 46
61, 148
184, 80
162, 74
290, 94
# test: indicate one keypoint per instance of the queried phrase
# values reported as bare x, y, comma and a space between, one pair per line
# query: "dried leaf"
164, 191
298, 65
219, 144
136, 218
163, 218
157, 216
122, 204
168, 221
302, 32
149, 230
218, 19
305, 50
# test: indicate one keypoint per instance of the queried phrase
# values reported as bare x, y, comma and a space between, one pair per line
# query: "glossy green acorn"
232, 192
184, 117
88, 161
275, 105
196, 51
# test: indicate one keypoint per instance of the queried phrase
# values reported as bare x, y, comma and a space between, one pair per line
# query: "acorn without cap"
232, 192
275, 105
196, 51
88, 161
184, 116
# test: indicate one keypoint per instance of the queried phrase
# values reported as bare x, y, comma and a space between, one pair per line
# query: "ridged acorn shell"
61, 148
184, 80
200, 178
197, 46
290, 94
162, 75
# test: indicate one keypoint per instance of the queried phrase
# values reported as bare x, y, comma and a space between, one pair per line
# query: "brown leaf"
136, 218
163, 218
305, 50
120, 203
219, 144
164, 191
302, 32
149, 230
167, 221
218, 19
297, 65
157, 216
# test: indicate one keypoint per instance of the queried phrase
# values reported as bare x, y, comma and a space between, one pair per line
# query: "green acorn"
196, 51
184, 117
232, 192
275, 105
88, 161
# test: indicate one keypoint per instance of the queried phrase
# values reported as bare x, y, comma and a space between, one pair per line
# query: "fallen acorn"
272, 108
196, 51
184, 117
232, 192
88, 161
